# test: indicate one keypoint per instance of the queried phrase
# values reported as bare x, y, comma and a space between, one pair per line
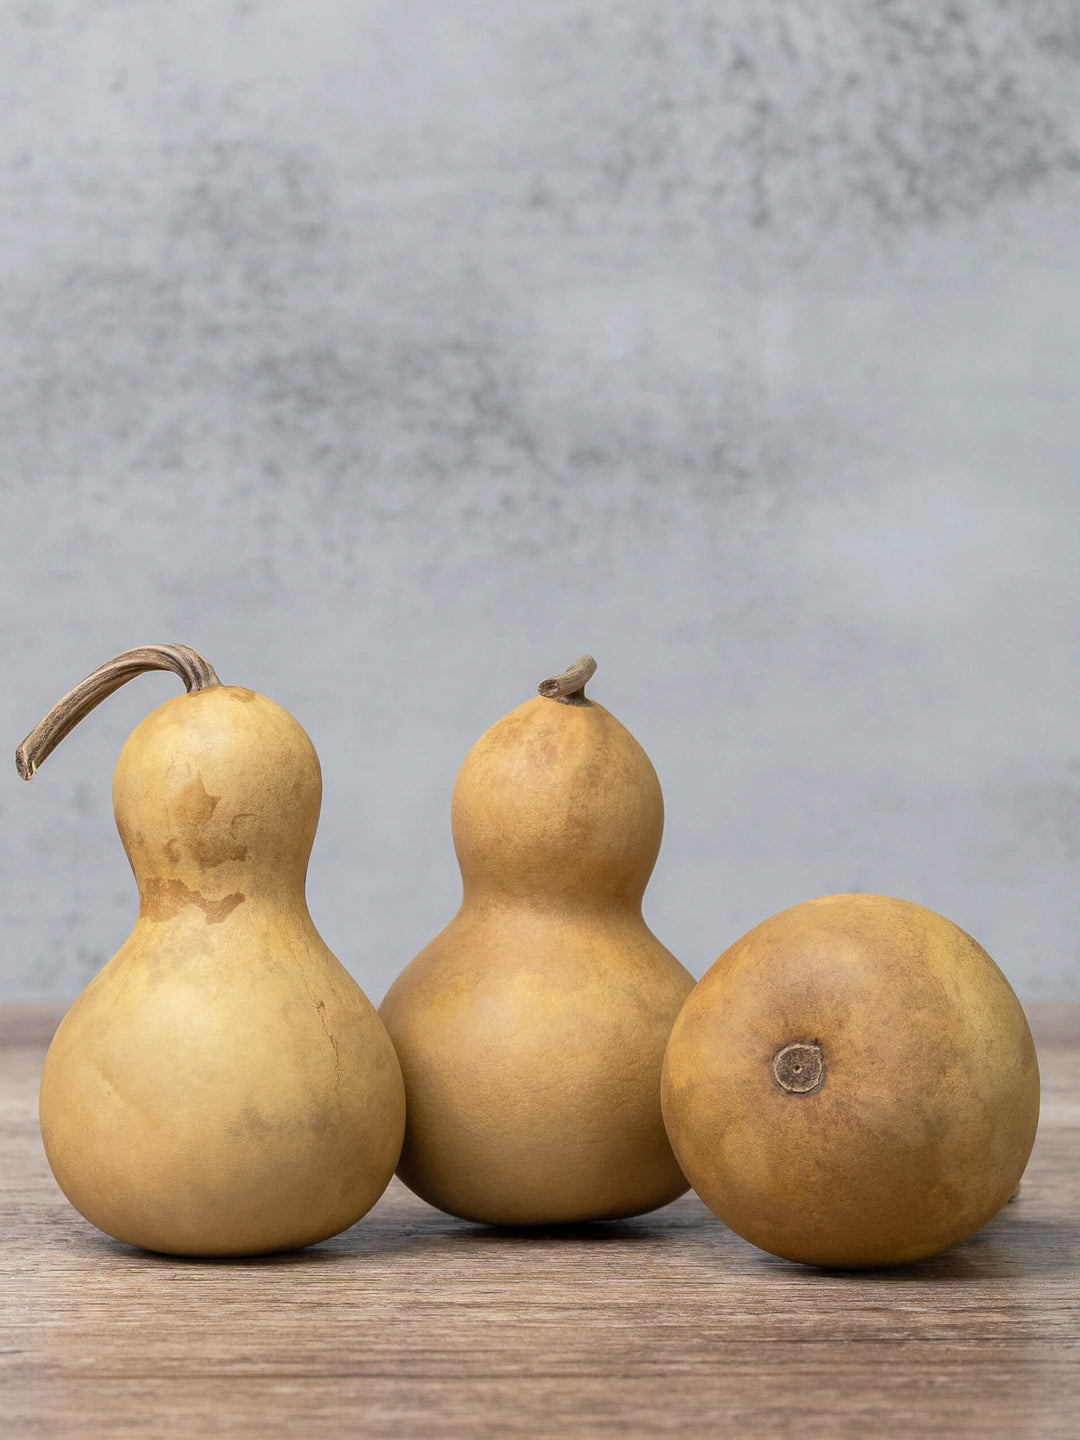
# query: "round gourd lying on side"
223, 1086
852, 1084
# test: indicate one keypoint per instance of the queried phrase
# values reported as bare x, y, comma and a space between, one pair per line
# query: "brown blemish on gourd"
251, 1123
163, 898
240, 692
194, 805
195, 809
211, 851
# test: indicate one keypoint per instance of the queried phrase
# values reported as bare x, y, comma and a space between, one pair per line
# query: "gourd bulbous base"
199, 1103
531, 1046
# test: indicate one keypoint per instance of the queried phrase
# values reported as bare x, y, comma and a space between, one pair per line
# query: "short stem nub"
569, 687
196, 673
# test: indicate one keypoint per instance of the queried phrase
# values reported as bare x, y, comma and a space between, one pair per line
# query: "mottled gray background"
393, 354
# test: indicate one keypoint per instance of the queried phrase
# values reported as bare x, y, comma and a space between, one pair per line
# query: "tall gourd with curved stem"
531, 1031
223, 1086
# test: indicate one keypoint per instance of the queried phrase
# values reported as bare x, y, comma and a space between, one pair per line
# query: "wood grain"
415, 1324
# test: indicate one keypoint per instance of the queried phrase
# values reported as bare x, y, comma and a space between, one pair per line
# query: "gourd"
222, 1086
853, 1084
532, 1029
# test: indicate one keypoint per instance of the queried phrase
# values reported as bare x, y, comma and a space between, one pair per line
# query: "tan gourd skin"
532, 1029
223, 1086
925, 1118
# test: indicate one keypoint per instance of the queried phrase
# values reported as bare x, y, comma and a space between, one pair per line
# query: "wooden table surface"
415, 1324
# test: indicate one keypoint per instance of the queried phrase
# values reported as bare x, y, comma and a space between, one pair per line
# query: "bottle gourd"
531, 1030
223, 1086
853, 1084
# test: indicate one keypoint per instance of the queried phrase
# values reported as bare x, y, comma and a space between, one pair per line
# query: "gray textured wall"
394, 354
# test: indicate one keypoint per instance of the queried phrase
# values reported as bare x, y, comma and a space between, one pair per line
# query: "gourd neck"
248, 897
480, 900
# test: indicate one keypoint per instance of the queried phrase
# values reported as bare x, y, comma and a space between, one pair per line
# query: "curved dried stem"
569, 687
196, 673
